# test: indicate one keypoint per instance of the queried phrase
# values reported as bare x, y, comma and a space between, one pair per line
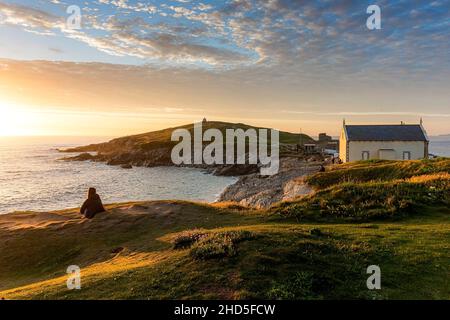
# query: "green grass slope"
184, 250
377, 170
370, 190
162, 138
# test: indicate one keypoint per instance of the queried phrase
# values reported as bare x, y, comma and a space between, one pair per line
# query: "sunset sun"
14, 120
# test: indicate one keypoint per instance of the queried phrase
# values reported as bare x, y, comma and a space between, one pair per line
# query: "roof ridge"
385, 132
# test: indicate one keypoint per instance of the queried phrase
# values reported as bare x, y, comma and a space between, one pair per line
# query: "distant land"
442, 137
154, 148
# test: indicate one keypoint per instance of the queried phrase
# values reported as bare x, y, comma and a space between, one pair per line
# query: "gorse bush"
187, 238
218, 245
213, 247
207, 245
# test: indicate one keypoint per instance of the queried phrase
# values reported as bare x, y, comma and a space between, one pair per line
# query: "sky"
137, 66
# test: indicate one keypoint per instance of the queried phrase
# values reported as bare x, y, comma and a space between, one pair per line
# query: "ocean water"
32, 178
440, 148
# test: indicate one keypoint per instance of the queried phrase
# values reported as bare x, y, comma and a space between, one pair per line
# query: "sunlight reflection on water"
31, 178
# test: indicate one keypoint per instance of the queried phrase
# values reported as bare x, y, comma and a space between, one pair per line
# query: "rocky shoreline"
154, 149
260, 192
251, 190
159, 159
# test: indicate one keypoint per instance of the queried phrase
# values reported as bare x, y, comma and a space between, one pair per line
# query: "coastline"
42, 183
250, 190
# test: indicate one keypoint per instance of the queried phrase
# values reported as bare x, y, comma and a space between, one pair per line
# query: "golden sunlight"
14, 120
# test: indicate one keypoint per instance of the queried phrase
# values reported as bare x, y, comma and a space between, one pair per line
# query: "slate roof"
400, 132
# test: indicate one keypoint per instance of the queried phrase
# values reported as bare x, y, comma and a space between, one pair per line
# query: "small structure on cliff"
327, 143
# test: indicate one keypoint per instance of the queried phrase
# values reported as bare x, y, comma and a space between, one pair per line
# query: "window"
365, 155
406, 155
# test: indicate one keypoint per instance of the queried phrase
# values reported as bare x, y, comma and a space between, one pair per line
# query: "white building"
390, 142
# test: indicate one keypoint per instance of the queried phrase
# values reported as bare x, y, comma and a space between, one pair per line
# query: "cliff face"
154, 149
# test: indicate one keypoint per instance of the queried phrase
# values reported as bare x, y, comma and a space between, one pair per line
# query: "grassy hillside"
183, 250
154, 148
161, 138
377, 170
373, 190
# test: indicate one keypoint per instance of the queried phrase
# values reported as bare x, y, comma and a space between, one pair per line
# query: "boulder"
81, 157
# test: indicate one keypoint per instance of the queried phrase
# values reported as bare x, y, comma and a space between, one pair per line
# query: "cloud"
124, 40
56, 50
292, 37
29, 18
170, 47
366, 114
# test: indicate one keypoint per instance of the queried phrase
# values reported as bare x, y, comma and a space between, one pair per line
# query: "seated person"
92, 205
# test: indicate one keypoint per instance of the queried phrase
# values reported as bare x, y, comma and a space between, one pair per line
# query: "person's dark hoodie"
92, 205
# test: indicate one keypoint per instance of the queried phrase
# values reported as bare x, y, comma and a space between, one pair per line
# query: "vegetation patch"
288, 260
377, 170
290, 266
316, 232
297, 286
188, 238
371, 200
219, 245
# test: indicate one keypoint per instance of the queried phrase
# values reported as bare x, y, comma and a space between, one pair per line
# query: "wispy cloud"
366, 114
292, 36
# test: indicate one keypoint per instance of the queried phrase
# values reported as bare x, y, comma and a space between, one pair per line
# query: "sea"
33, 178
440, 148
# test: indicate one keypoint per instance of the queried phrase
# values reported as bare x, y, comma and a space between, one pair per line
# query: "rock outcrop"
258, 191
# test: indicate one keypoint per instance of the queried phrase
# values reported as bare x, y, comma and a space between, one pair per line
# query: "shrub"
218, 245
186, 239
297, 287
317, 232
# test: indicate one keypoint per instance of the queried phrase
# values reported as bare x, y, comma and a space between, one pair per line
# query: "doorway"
365, 155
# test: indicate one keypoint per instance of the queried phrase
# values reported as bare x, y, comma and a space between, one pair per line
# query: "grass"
371, 200
162, 138
31, 253
377, 170
185, 250
282, 261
